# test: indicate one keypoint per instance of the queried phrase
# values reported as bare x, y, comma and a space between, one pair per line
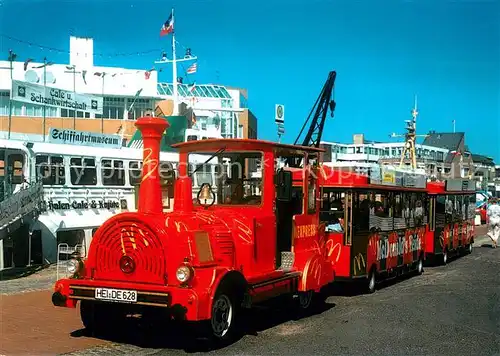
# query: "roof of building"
200, 91
450, 141
487, 161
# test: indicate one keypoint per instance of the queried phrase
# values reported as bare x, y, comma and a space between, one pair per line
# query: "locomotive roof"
234, 144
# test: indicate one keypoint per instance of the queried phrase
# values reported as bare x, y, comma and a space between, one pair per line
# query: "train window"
440, 211
380, 217
311, 195
399, 202
419, 209
449, 208
112, 172
50, 169
361, 211
458, 208
239, 181
332, 210
83, 171
192, 138
134, 172
471, 213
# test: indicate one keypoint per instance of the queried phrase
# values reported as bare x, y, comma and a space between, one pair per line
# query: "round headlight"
183, 274
73, 266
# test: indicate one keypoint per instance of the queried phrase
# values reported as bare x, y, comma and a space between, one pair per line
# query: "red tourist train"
243, 241
250, 237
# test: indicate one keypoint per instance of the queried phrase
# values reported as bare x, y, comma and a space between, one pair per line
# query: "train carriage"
452, 206
375, 225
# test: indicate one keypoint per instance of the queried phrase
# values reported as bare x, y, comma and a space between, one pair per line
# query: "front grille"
132, 239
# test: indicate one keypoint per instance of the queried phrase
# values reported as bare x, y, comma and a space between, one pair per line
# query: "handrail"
21, 203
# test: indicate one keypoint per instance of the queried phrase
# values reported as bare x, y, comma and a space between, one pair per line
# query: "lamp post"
44, 66
72, 69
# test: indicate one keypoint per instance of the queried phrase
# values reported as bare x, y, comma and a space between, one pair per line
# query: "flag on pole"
138, 93
192, 68
99, 74
84, 73
168, 26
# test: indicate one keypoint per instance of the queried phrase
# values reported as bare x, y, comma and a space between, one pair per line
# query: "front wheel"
97, 317
469, 248
222, 326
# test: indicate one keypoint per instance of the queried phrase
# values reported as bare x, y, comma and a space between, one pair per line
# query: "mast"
174, 72
174, 61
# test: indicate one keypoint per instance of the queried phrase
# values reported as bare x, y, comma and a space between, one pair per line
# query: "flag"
191, 87
26, 63
168, 26
147, 74
84, 73
192, 68
99, 74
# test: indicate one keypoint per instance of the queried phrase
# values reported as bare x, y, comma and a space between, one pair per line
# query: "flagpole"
175, 60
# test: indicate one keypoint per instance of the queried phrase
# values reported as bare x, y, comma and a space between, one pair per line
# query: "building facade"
126, 94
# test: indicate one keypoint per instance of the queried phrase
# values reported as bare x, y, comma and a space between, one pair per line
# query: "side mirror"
284, 185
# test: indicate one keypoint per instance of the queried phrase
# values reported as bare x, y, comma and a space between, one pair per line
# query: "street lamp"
72, 69
44, 66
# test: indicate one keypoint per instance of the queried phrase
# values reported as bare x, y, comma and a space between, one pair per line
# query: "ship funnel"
150, 196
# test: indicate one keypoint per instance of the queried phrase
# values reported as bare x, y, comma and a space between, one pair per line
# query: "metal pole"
11, 58
102, 94
74, 97
174, 71
44, 92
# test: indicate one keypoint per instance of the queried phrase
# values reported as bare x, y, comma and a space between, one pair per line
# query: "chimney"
150, 196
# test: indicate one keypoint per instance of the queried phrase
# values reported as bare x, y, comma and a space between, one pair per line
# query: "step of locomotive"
287, 260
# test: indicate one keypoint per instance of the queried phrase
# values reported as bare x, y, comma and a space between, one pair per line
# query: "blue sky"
384, 52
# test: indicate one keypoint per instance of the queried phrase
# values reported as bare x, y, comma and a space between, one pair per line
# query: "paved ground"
449, 310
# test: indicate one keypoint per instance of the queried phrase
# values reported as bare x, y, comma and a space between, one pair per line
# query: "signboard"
281, 129
82, 204
397, 178
460, 185
71, 137
279, 114
58, 98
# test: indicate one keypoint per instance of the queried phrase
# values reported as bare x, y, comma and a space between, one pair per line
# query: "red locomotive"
245, 240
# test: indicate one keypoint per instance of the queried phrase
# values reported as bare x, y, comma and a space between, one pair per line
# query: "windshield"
235, 177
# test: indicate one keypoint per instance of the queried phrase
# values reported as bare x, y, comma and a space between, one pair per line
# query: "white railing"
65, 251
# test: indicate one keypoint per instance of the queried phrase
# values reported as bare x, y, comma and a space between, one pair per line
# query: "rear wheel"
420, 265
469, 248
371, 282
444, 258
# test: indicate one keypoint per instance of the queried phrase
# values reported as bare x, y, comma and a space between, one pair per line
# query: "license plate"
116, 295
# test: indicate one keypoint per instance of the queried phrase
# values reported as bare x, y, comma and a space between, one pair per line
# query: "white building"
215, 106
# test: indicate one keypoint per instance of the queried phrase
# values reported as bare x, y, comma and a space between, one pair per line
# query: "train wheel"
469, 248
420, 265
223, 321
444, 259
306, 299
98, 317
371, 282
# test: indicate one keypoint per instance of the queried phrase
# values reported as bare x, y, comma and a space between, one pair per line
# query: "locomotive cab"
247, 236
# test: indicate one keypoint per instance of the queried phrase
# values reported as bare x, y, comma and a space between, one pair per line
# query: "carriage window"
449, 208
440, 211
112, 172
83, 171
401, 209
50, 169
361, 211
135, 172
458, 209
332, 210
420, 209
380, 211
238, 180
472, 207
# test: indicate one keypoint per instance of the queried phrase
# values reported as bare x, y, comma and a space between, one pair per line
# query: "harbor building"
108, 99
